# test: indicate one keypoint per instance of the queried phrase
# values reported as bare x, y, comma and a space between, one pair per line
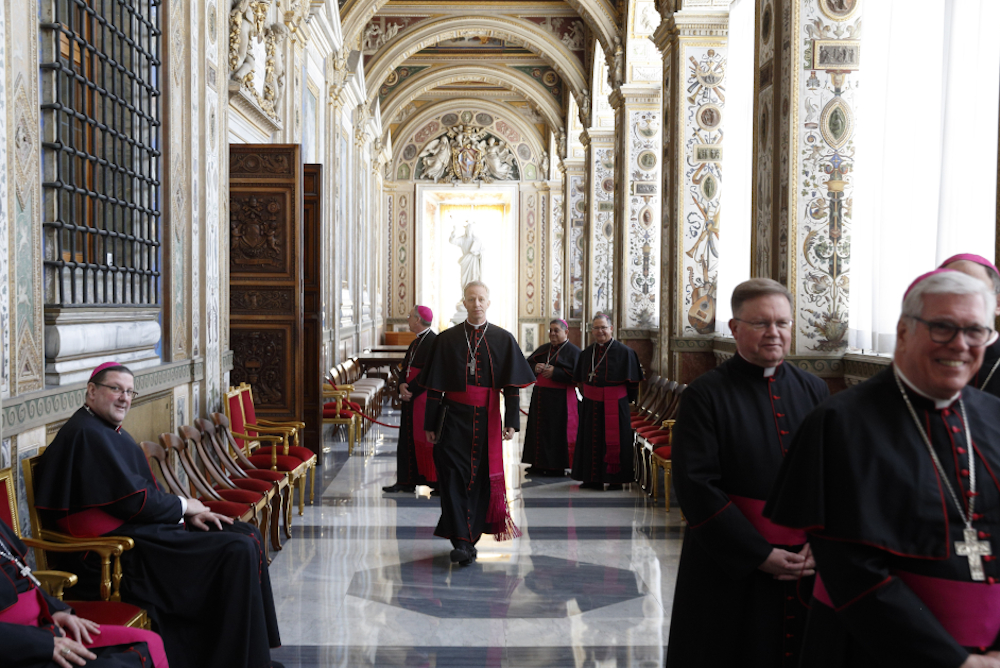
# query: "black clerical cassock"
610, 374
987, 378
27, 628
465, 373
414, 454
734, 427
895, 583
208, 593
553, 418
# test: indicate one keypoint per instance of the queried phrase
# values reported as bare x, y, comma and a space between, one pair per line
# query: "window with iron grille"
101, 123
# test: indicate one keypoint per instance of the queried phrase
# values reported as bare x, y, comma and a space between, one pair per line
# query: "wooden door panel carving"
312, 328
265, 276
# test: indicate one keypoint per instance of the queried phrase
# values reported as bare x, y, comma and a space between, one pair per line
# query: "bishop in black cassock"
609, 373
734, 427
31, 620
896, 482
208, 593
553, 418
414, 454
468, 367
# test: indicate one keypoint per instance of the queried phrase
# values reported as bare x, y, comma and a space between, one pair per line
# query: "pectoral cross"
591, 376
973, 550
472, 366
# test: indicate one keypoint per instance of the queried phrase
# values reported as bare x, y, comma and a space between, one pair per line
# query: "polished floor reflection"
364, 582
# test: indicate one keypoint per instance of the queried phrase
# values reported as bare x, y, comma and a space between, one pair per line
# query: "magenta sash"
610, 397
32, 610
969, 611
89, 523
424, 448
498, 514
572, 410
775, 534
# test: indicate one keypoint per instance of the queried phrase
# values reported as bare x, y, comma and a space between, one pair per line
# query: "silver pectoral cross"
591, 376
974, 550
472, 366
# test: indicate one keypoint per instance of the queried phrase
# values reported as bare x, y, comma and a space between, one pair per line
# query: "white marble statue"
436, 156
242, 61
498, 160
471, 262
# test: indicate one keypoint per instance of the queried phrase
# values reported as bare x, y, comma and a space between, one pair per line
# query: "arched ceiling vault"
599, 15
536, 40
534, 92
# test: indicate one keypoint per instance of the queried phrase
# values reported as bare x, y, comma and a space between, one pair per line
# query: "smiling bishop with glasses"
735, 600
202, 577
895, 481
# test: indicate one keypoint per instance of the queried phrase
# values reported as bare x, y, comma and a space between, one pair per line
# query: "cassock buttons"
961, 451
983, 534
946, 412
965, 472
955, 429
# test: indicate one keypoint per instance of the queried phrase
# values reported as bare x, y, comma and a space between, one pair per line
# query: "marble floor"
364, 582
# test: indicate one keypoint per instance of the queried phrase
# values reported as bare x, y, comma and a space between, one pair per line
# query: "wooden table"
374, 360
388, 349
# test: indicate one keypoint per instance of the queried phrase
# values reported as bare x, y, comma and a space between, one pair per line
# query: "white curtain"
926, 162
737, 174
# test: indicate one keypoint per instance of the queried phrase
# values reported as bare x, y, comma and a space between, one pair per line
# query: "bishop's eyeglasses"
945, 332
119, 391
761, 325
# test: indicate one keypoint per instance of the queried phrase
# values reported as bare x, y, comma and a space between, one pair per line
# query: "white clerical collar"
475, 326
769, 371
424, 332
938, 403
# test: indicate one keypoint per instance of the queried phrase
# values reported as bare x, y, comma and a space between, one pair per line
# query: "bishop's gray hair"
949, 283
476, 284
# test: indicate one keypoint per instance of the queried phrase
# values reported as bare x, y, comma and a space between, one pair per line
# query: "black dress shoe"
615, 487
435, 492
463, 555
592, 485
392, 489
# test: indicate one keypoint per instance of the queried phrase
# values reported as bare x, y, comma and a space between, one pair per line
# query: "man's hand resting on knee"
199, 515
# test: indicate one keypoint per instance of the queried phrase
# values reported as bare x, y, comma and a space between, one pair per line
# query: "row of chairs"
346, 393
653, 422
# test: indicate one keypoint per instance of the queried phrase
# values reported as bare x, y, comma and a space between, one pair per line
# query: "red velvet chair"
55, 582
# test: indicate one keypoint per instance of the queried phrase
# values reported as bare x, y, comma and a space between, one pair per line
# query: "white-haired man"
896, 483
987, 378
469, 365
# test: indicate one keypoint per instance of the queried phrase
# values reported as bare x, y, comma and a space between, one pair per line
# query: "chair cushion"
647, 431
284, 463
266, 475
227, 508
114, 613
662, 452
251, 485
239, 495
638, 424
346, 415
297, 451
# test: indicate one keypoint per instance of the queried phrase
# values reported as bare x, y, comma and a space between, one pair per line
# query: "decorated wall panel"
824, 83
4, 233
700, 184
641, 273
557, 253
532, 251
179, 181
577, 216
214, 109
602, 230
763, 171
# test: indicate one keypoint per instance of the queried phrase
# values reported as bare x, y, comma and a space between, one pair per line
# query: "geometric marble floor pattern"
364, 582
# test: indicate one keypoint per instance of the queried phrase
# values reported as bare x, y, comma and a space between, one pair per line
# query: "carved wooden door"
312, 331
265, 276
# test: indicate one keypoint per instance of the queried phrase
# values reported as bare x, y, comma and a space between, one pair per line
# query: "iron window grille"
102, 159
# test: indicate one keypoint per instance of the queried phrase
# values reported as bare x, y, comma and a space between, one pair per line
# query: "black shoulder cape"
90, 464
623, 364
445, 370
565, 360
853, 465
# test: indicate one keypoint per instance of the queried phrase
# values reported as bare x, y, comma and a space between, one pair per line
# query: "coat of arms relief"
468, 153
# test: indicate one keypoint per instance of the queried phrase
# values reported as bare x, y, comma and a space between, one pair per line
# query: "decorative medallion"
709, 187
213, 28
212, 130
403, 173
763, 126
839, 10
609, 230
647, 161
709, 117
524, 152
837, 123
550, 78
402, 202
410, 152
710, 74
392, 79
484, 119
530, 172
449, 119
766, 22
466, 116
608, 185
646, 216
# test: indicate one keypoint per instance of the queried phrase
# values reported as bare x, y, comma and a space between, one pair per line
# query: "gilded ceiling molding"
511, 79
599, 15
428, 112
427, 34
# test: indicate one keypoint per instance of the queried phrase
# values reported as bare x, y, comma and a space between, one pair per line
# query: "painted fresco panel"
603, 229
4, 227
557, 250
700, 189
823, 122
642, 270
531, 251
577, 214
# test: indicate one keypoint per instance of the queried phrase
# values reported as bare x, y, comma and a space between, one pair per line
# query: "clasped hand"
404, 392
69, 648
202, 517
785, 565
544, 370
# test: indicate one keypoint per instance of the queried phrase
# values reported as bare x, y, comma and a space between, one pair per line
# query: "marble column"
636, 281
693, 43
806, 83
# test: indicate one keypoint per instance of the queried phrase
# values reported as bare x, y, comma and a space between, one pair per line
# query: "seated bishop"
202, 578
